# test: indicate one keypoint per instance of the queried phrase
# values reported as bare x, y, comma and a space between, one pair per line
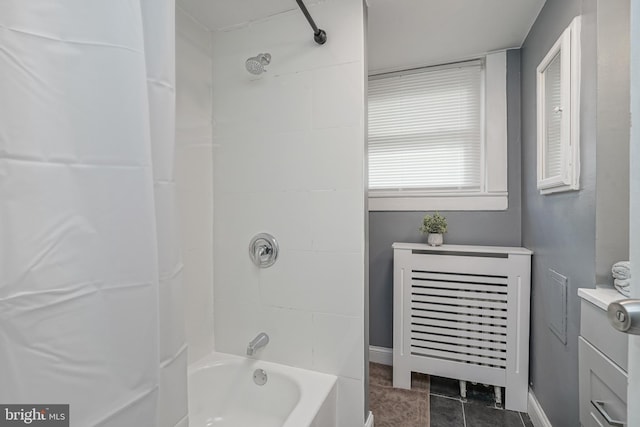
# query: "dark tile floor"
435, 402
479, 410
394, 407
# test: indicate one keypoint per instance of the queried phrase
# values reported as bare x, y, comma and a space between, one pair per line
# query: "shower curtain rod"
320, 36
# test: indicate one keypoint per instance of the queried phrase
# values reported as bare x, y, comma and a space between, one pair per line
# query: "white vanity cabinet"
602, 362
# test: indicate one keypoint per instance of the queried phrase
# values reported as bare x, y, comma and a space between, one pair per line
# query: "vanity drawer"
603, 389
595, 328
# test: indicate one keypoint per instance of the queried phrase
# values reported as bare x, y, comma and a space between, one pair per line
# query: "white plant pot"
434, 239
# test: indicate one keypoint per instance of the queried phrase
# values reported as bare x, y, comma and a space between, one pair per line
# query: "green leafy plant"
436, 224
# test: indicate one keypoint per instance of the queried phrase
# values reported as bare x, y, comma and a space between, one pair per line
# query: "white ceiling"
412, 33
220, 14
403, 33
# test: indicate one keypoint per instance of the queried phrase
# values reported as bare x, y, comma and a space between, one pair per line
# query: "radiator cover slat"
462, 333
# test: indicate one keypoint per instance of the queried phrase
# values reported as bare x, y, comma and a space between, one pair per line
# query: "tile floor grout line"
522, 419
446, 397
464, 418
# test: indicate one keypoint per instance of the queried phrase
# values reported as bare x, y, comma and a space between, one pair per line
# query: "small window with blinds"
426, 131
558, 114
437, 137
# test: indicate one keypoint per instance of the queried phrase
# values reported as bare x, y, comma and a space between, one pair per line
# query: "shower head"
256, 64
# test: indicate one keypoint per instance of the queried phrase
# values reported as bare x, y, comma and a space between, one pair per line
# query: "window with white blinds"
426, 130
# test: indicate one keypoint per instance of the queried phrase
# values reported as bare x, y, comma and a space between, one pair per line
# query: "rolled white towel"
621, 270
623, 286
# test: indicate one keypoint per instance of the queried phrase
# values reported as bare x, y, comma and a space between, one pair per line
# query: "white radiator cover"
463, 312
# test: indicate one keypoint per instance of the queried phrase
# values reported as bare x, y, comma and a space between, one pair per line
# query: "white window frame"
568, 47
493, 194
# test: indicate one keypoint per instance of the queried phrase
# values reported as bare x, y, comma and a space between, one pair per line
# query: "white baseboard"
536, 413
382, 355
369, 422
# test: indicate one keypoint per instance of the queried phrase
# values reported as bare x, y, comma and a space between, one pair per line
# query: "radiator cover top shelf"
463, 312
467, 249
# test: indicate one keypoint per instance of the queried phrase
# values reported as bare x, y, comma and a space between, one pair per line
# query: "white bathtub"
222, 393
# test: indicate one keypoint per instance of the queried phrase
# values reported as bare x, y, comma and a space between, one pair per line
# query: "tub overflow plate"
260, 377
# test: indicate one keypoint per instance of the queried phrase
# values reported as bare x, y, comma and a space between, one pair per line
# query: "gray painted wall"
559, 228
612, 183
472, 228
578, 234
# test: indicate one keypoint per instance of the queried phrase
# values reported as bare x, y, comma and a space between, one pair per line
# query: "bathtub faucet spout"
260, 341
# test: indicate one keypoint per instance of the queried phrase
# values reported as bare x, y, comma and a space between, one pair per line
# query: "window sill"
441, 202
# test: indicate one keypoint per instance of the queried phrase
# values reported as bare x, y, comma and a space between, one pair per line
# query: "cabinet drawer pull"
599, 405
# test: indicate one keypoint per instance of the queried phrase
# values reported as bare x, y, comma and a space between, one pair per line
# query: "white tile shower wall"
194, 178
288, 160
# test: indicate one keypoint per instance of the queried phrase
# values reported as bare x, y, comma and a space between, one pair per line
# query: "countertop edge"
600, 296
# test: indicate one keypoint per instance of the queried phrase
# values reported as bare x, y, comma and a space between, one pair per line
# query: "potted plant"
434, 226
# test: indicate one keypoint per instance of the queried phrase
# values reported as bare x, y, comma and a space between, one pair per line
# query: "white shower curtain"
90, 300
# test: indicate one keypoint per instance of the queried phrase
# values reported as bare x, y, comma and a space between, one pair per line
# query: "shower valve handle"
263, 250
